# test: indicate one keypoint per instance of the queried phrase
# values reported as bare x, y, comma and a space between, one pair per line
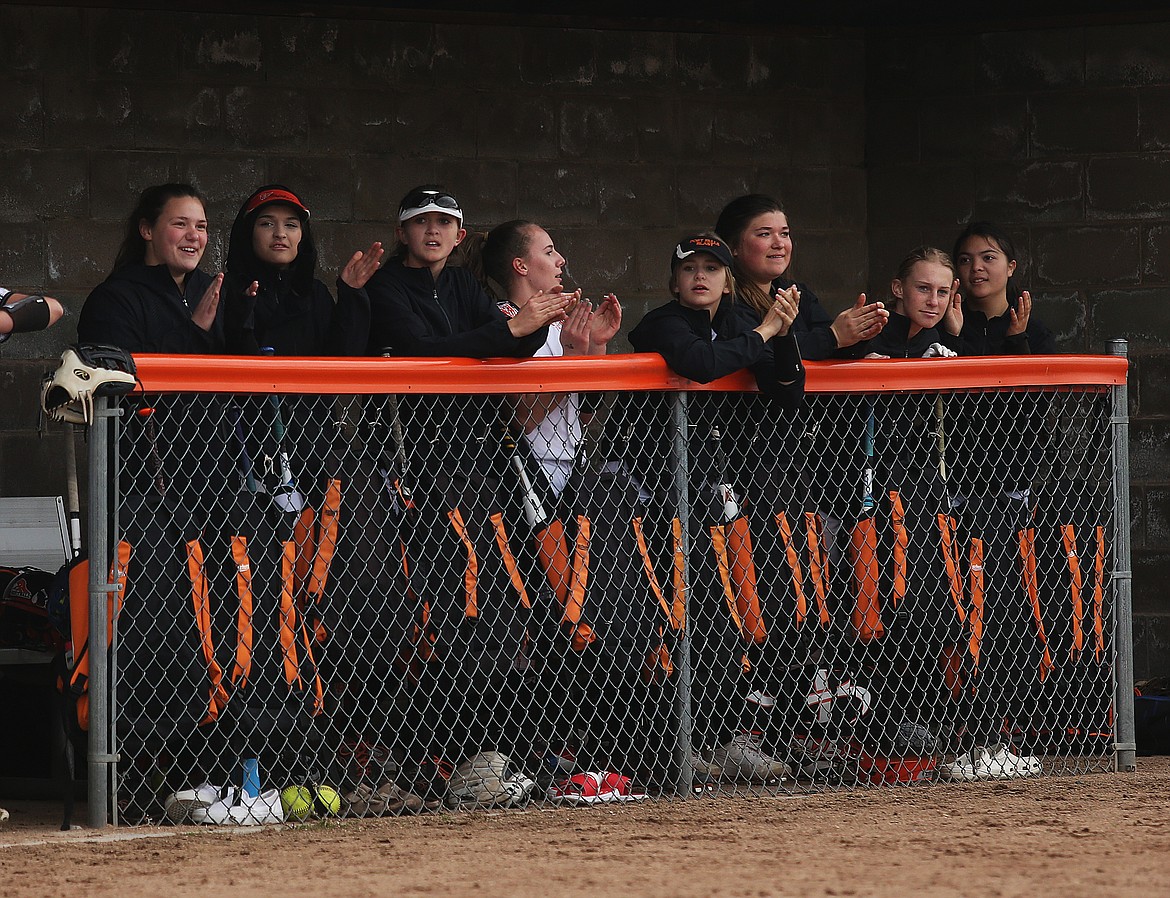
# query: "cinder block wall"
617, 141
1061, 135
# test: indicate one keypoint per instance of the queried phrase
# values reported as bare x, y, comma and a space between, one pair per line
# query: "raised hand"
861, 321
1020, 314
781, 314
575, 329
361, 266
607, 321
953, 317
204, 314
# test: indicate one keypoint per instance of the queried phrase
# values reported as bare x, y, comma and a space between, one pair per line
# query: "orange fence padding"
641, 371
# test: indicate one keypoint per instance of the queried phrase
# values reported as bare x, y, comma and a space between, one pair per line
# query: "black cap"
700, 243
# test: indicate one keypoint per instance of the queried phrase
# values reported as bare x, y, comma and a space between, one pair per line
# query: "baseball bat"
863, 548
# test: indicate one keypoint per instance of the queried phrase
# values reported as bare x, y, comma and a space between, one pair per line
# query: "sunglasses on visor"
421, 198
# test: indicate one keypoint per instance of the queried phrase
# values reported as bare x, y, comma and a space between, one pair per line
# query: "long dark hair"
733, 221
995, 234
244, 267
151, 203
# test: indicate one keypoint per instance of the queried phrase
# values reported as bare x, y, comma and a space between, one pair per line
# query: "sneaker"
595, 788
761, 699
264, 808
960, 770
242, 810
1000, 763
744, 758
704, 768
991, 763
178, 806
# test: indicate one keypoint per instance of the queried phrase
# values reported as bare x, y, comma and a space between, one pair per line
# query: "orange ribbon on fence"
794, 563
1027, 540
1075, 585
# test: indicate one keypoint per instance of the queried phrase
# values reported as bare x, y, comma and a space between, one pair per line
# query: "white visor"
407, 214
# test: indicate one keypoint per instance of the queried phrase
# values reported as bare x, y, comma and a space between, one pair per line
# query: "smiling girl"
156, 299
999, 316
757, 229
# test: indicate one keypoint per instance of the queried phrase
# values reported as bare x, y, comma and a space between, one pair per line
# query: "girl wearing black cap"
271, 293
704, 334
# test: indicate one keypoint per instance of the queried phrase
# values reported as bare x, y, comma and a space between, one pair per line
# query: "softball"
297, 802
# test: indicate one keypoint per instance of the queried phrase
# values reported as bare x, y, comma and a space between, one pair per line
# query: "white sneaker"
178, 806
264, 808
704, 769
991, 763
744, 758
242, 810
219, 811
761, 699
999, 763
962, 769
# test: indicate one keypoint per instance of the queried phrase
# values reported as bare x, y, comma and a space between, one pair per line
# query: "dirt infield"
1086, 835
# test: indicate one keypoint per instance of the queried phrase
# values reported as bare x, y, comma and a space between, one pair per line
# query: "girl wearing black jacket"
1003, 443
156, 299
999, 317
424, 306
756, 228
928, 310
704, 334
272, 296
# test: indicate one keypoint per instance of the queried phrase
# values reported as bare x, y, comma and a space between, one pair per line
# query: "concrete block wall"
617, 141
1062, 136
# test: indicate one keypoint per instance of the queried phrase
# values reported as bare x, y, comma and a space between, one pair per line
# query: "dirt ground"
1065, 836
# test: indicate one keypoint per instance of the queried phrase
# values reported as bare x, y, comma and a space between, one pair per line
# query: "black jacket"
139, 308
415, 314
293, 323
749, 426
894, 340
988, 336
682, 337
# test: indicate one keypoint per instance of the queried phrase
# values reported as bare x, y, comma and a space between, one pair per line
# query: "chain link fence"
390, 603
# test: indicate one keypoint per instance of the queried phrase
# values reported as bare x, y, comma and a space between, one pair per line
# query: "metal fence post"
1126, 738
683, 666
99, 710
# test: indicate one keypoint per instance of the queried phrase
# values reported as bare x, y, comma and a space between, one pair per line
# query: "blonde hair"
673, 284
923, 254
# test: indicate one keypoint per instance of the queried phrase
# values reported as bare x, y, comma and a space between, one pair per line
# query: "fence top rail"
635, 372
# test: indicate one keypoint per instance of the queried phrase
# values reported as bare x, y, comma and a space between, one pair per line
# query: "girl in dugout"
704, 334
